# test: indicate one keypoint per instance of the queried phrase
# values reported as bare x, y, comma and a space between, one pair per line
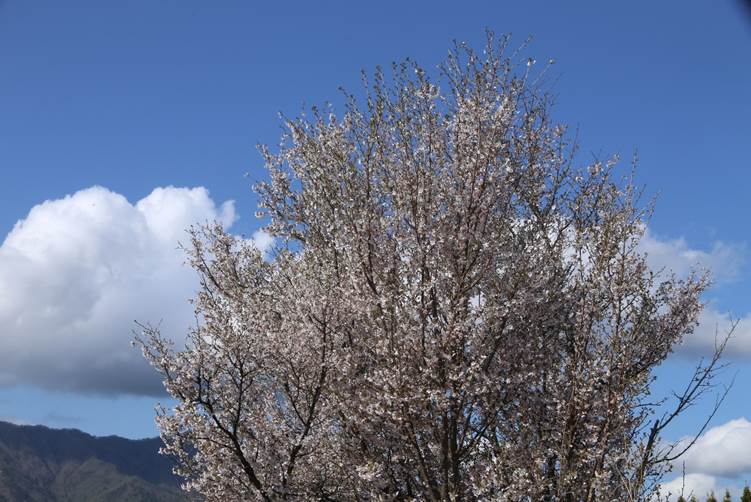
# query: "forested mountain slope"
48, 465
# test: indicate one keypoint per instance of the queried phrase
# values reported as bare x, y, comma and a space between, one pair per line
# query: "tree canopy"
454, 310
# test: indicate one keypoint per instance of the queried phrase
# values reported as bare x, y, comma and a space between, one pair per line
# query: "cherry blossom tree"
454, 310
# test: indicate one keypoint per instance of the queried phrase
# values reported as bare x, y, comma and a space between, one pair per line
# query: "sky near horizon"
122, 123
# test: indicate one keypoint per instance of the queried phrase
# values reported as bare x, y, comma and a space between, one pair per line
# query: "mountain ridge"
38, 463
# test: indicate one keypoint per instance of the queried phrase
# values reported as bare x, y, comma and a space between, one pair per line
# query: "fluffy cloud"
695, 484
723, 260
77, 272
721, 450
718, 457
713, 327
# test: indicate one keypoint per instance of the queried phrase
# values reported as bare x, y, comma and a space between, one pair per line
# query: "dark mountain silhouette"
50, 465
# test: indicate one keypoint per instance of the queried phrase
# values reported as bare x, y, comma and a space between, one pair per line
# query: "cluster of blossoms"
454, 310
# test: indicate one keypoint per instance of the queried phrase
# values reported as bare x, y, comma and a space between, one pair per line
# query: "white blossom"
453, 312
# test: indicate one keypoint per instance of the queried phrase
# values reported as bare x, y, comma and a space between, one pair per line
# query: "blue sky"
134, 96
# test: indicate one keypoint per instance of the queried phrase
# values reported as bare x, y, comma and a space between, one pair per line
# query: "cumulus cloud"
698, 485
718, 457
262, 240
77, 271
75, 274
723, 260
721, 450
712, 329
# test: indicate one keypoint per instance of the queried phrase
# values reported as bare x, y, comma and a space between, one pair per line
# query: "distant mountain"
49, 465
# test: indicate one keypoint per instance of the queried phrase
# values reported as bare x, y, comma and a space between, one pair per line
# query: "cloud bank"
719, 456
713, 327
721, 450
724, 261
698, 485
76, 273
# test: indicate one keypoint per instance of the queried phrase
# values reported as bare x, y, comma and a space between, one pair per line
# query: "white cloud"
699, 485
721, 450
723, 260
713, 327
717, 461
262, 240
76, 273
721, 453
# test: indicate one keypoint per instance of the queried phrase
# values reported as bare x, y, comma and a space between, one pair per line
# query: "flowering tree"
454, 311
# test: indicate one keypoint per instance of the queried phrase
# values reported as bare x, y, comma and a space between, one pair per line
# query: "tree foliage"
746, 495
454, 311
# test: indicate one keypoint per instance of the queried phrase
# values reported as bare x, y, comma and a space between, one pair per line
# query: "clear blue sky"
142, 94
